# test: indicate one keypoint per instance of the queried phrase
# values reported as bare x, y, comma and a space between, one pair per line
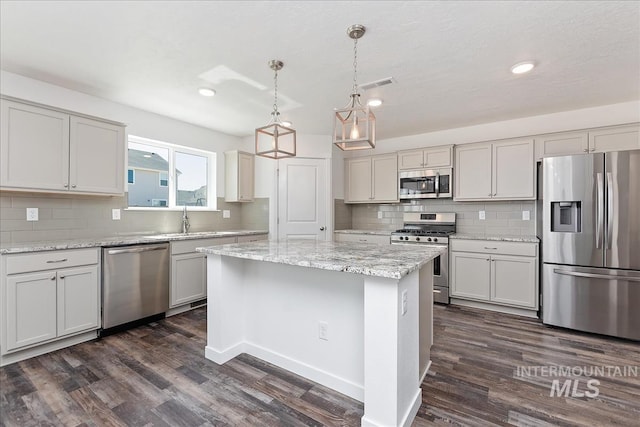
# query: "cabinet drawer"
252, 238
494, 247
38, 261
363, 238
187, 246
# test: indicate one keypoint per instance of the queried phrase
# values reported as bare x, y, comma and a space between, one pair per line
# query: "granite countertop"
390, 261
373, 232
16, 248
503, 238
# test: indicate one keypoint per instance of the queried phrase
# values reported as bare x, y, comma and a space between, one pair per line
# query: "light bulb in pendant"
355, 131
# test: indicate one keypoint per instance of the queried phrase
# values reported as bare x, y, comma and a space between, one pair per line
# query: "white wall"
139, 122
606, 115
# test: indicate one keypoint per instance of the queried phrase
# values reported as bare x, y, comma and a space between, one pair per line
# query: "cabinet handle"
53, 278
73, 186
493, 260
488, 259
494, 249
62, 277
55, 261
586, 150
593, 149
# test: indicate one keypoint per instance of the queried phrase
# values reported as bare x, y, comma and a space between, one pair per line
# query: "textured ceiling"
450, 60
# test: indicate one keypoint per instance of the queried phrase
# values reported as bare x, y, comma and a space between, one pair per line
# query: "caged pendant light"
354, 126
275, 140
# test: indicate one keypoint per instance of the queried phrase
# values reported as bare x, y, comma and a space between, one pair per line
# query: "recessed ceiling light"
286, 123
522, 67
205, 91
374, 102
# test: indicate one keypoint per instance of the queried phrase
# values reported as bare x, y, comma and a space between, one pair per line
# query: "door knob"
321, 228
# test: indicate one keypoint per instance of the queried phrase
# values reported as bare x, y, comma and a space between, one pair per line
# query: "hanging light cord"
355, 65
275, 98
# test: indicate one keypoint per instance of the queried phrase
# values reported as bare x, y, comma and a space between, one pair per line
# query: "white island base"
362, 335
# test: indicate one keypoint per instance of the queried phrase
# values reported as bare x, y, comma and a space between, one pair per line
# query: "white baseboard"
223, 356
407, 419
342, 385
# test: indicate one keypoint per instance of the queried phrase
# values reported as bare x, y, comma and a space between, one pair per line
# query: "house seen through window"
162, 175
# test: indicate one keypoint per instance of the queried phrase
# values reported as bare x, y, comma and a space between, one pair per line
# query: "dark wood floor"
157, 375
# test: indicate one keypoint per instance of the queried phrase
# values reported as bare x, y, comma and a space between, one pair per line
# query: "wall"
67, 216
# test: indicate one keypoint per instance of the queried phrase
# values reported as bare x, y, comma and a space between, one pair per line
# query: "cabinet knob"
321, 228
586, 150
66, 185
489, 194
73, 186
52, 278
62, 277
488, 259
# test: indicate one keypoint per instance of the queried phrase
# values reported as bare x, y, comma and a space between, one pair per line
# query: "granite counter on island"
354, 317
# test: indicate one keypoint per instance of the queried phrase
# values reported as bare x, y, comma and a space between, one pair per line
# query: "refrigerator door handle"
609, 209
595, 276
599, 209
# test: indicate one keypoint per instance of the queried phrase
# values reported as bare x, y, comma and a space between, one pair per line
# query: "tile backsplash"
501, 218
69, 217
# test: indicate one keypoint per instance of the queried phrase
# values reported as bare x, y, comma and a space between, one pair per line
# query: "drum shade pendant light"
354, 127
275, 140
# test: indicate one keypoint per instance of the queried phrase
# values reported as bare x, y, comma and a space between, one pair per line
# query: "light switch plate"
526, 216
32, 214
481, 215
379, 214
226, 213
115, 214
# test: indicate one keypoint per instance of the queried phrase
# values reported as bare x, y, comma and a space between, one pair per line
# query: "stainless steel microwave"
426, 184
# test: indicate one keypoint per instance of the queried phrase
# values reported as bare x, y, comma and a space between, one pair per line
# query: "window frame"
211, 157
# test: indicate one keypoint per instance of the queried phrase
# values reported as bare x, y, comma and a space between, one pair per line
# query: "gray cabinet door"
34, 148
31, 309
188, 278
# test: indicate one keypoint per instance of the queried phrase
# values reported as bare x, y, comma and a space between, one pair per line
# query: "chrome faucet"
185, 221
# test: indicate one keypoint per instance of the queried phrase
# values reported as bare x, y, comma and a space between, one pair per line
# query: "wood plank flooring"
156, 375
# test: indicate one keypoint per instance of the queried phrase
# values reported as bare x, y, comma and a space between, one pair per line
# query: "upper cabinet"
615, 138
501, 170
44, 149
371, 179
434, 157
239, 176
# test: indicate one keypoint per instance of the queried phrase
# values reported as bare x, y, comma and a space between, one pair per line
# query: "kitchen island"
354, 317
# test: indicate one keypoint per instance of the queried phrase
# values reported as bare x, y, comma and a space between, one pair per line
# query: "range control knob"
435, 239
429, 239
417, 239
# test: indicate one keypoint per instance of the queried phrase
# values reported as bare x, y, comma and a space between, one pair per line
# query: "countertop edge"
27, 247
496, 238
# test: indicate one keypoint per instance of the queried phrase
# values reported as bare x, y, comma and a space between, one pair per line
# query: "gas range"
425, 228
430, 229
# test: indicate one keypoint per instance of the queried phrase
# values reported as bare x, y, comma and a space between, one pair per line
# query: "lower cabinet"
43, 304
504, 273
189, 268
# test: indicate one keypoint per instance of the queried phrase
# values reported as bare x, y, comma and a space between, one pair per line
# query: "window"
164, 179
170, 176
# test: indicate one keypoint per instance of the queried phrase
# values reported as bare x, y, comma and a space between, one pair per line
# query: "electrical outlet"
526, 216
32, 214
379, 214
115, 214
481, 215
226, 213
405, 301
323, 331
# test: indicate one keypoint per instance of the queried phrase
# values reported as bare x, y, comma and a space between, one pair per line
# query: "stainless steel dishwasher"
135, 283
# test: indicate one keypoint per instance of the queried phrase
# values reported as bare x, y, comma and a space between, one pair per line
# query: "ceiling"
450, 60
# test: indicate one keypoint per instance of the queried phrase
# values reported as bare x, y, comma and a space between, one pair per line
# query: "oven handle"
437, 183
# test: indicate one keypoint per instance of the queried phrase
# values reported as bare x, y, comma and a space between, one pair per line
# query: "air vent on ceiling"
377, 83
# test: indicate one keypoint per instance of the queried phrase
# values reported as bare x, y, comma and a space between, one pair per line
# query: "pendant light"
275, 140
354, 126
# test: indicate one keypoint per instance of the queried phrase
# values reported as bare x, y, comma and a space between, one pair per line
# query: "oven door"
440, 275
425, 184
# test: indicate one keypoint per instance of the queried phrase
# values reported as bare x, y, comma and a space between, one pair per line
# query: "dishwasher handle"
137, 249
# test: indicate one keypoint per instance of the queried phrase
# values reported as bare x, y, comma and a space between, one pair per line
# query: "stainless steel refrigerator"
591, 243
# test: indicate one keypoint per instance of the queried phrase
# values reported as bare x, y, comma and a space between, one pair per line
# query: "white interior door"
302, 206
